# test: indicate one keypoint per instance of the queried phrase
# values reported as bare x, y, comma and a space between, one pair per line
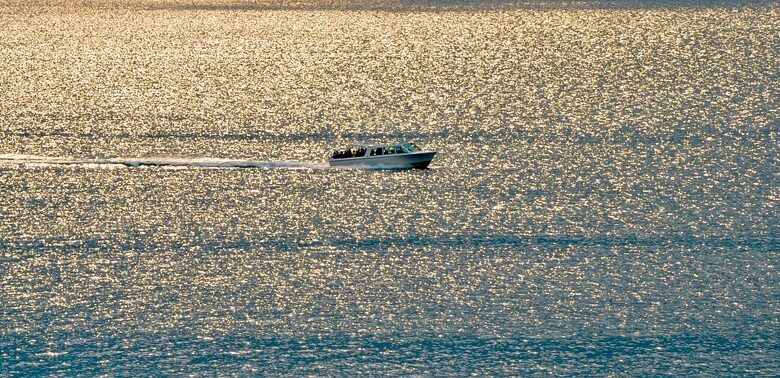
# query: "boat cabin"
355, 151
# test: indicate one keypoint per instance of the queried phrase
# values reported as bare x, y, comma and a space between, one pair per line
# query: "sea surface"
605, 200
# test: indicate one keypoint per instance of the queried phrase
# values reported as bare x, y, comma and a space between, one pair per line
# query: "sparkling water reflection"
605, 198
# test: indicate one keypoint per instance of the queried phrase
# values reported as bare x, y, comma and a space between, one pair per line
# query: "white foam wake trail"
156, 161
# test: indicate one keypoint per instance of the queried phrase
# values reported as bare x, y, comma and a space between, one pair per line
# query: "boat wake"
199, 162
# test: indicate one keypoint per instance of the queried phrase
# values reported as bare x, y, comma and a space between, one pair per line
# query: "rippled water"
605, 199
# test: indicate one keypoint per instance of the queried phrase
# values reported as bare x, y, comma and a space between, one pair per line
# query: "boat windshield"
411, 147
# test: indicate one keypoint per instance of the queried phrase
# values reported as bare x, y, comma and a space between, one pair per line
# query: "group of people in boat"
348, 153
375, 151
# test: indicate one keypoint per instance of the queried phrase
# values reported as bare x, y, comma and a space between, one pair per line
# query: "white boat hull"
419, 160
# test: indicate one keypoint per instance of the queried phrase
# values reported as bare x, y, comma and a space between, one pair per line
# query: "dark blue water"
604, 201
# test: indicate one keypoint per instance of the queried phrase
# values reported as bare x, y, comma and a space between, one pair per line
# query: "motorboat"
387, 156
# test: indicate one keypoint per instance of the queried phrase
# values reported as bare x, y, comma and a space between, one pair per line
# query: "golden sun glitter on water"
605, 198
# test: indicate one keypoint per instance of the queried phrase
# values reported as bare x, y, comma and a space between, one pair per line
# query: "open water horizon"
604, 201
